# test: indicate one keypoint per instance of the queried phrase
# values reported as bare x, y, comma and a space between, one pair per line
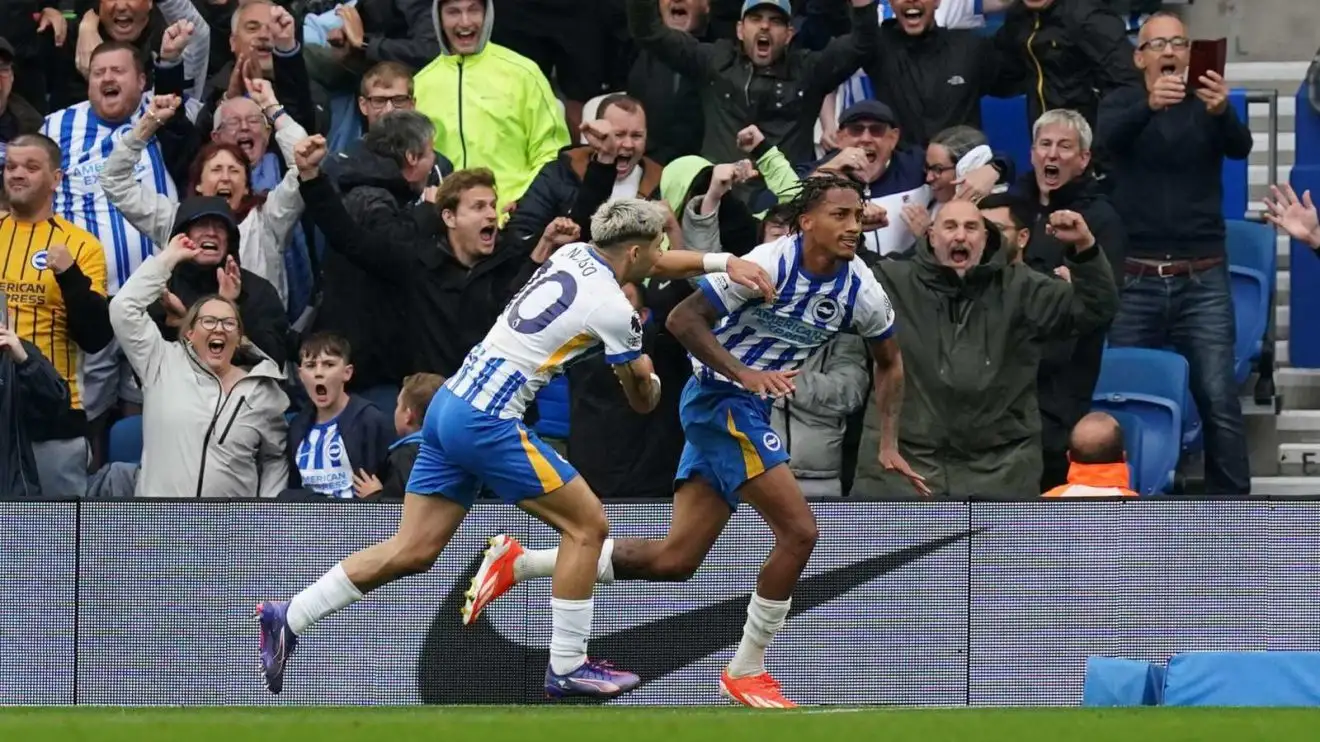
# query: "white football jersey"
808, 311
570, 307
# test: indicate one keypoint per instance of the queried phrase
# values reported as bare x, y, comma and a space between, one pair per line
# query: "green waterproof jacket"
970, 422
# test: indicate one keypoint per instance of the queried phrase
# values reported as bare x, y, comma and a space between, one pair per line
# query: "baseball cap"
6, 50
868, 109
781, 5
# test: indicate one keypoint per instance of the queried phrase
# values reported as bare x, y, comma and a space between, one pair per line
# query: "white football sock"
333, 592
764, 619
568, 638
535, 563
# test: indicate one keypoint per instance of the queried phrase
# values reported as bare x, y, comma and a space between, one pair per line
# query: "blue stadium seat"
1252, 265
1152, 385
126, 440
1133, 442
552, 404
1304, 338
1004, 121
384, 396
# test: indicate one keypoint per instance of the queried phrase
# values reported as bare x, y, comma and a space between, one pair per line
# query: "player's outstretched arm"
675, 265
640, 383
889, 400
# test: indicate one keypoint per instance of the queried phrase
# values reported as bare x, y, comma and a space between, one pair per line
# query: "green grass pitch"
532, 724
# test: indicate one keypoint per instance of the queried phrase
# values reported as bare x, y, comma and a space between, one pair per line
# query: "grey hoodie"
198, 441
486, 27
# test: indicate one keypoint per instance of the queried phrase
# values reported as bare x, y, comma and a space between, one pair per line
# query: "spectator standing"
491, 106
115, 98
213, 422
969, 336
566, 39
1013, 217
137, 24
760, 80
671, 99
53, 277
1097, 462
1065, 54
827, 390
377, 31
612, 165
34, 34
1062, 180
17, 116
30, 391
220, 169
1167, 142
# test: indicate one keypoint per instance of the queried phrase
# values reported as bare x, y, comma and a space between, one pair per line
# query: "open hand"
768, 384
848, 160
917, 218
753, 276
89, 37
1296, 217
230, 279
977, 184
353, 31
366, 485
893, 461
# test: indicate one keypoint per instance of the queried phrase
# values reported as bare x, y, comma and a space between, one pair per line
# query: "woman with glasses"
266, 220
213, 412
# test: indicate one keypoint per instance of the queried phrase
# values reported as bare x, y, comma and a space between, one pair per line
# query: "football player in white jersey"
746, 350
473, 435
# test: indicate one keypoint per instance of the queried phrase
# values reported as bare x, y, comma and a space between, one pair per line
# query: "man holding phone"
1168, 143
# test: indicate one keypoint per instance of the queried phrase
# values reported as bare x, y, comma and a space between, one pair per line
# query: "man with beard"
759, 81
1061, 180
140, 24
115, 91
53, 276
675, 126
969, 335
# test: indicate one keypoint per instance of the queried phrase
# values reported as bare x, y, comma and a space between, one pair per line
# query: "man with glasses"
385, 88
1167, 143
894, 176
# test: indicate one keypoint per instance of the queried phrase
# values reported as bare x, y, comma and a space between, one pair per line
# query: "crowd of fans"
268, 247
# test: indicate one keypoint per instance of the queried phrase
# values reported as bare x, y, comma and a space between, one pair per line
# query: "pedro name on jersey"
570, 307
808, 311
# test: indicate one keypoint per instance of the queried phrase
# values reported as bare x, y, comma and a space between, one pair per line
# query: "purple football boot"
594, 679
277, 642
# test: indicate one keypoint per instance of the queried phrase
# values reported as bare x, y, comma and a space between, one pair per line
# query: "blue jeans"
1193, 313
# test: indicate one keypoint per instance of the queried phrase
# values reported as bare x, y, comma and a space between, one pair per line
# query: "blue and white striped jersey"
570, 307
808, 311
86, 142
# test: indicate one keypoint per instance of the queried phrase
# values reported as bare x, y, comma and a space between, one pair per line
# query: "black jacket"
448, 307
399, 31
1166, 172
783, 100
674, 122
1069, 55
67, 84
397, 468
265, 322
935, 80
361, 303
29, 392
366, 430
1070, 364
575, 186
623, 453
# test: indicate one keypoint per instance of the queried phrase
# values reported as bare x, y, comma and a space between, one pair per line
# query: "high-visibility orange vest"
1095, 480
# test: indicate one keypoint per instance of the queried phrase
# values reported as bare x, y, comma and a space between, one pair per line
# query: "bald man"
1098, 462
1167, 142
969, 323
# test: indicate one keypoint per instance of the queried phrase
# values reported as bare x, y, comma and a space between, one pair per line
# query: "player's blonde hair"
627, 221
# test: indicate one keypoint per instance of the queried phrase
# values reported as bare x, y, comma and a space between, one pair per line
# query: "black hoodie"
443, 307
264, 320
29, 392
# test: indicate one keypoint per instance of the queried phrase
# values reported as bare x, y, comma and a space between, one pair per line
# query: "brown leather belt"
1168, 268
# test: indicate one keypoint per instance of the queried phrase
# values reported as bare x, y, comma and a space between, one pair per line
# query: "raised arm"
136, 331
151, 213
844, 56
197, 52
1089, 302
681, 264
681, 51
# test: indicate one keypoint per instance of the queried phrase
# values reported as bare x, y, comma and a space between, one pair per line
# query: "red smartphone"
1206, 56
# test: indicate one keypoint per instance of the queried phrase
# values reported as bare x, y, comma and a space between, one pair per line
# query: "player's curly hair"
812, 191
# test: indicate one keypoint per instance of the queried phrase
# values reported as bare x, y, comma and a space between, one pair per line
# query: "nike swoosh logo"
477, 664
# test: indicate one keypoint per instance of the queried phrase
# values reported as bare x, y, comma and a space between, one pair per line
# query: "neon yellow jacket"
491, 109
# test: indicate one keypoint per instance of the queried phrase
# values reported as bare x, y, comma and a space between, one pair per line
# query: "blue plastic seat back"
1132, 441
1157, 373
1004, 121
126, 440
1160, 437
1251, 306
1252, 245
552, 404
